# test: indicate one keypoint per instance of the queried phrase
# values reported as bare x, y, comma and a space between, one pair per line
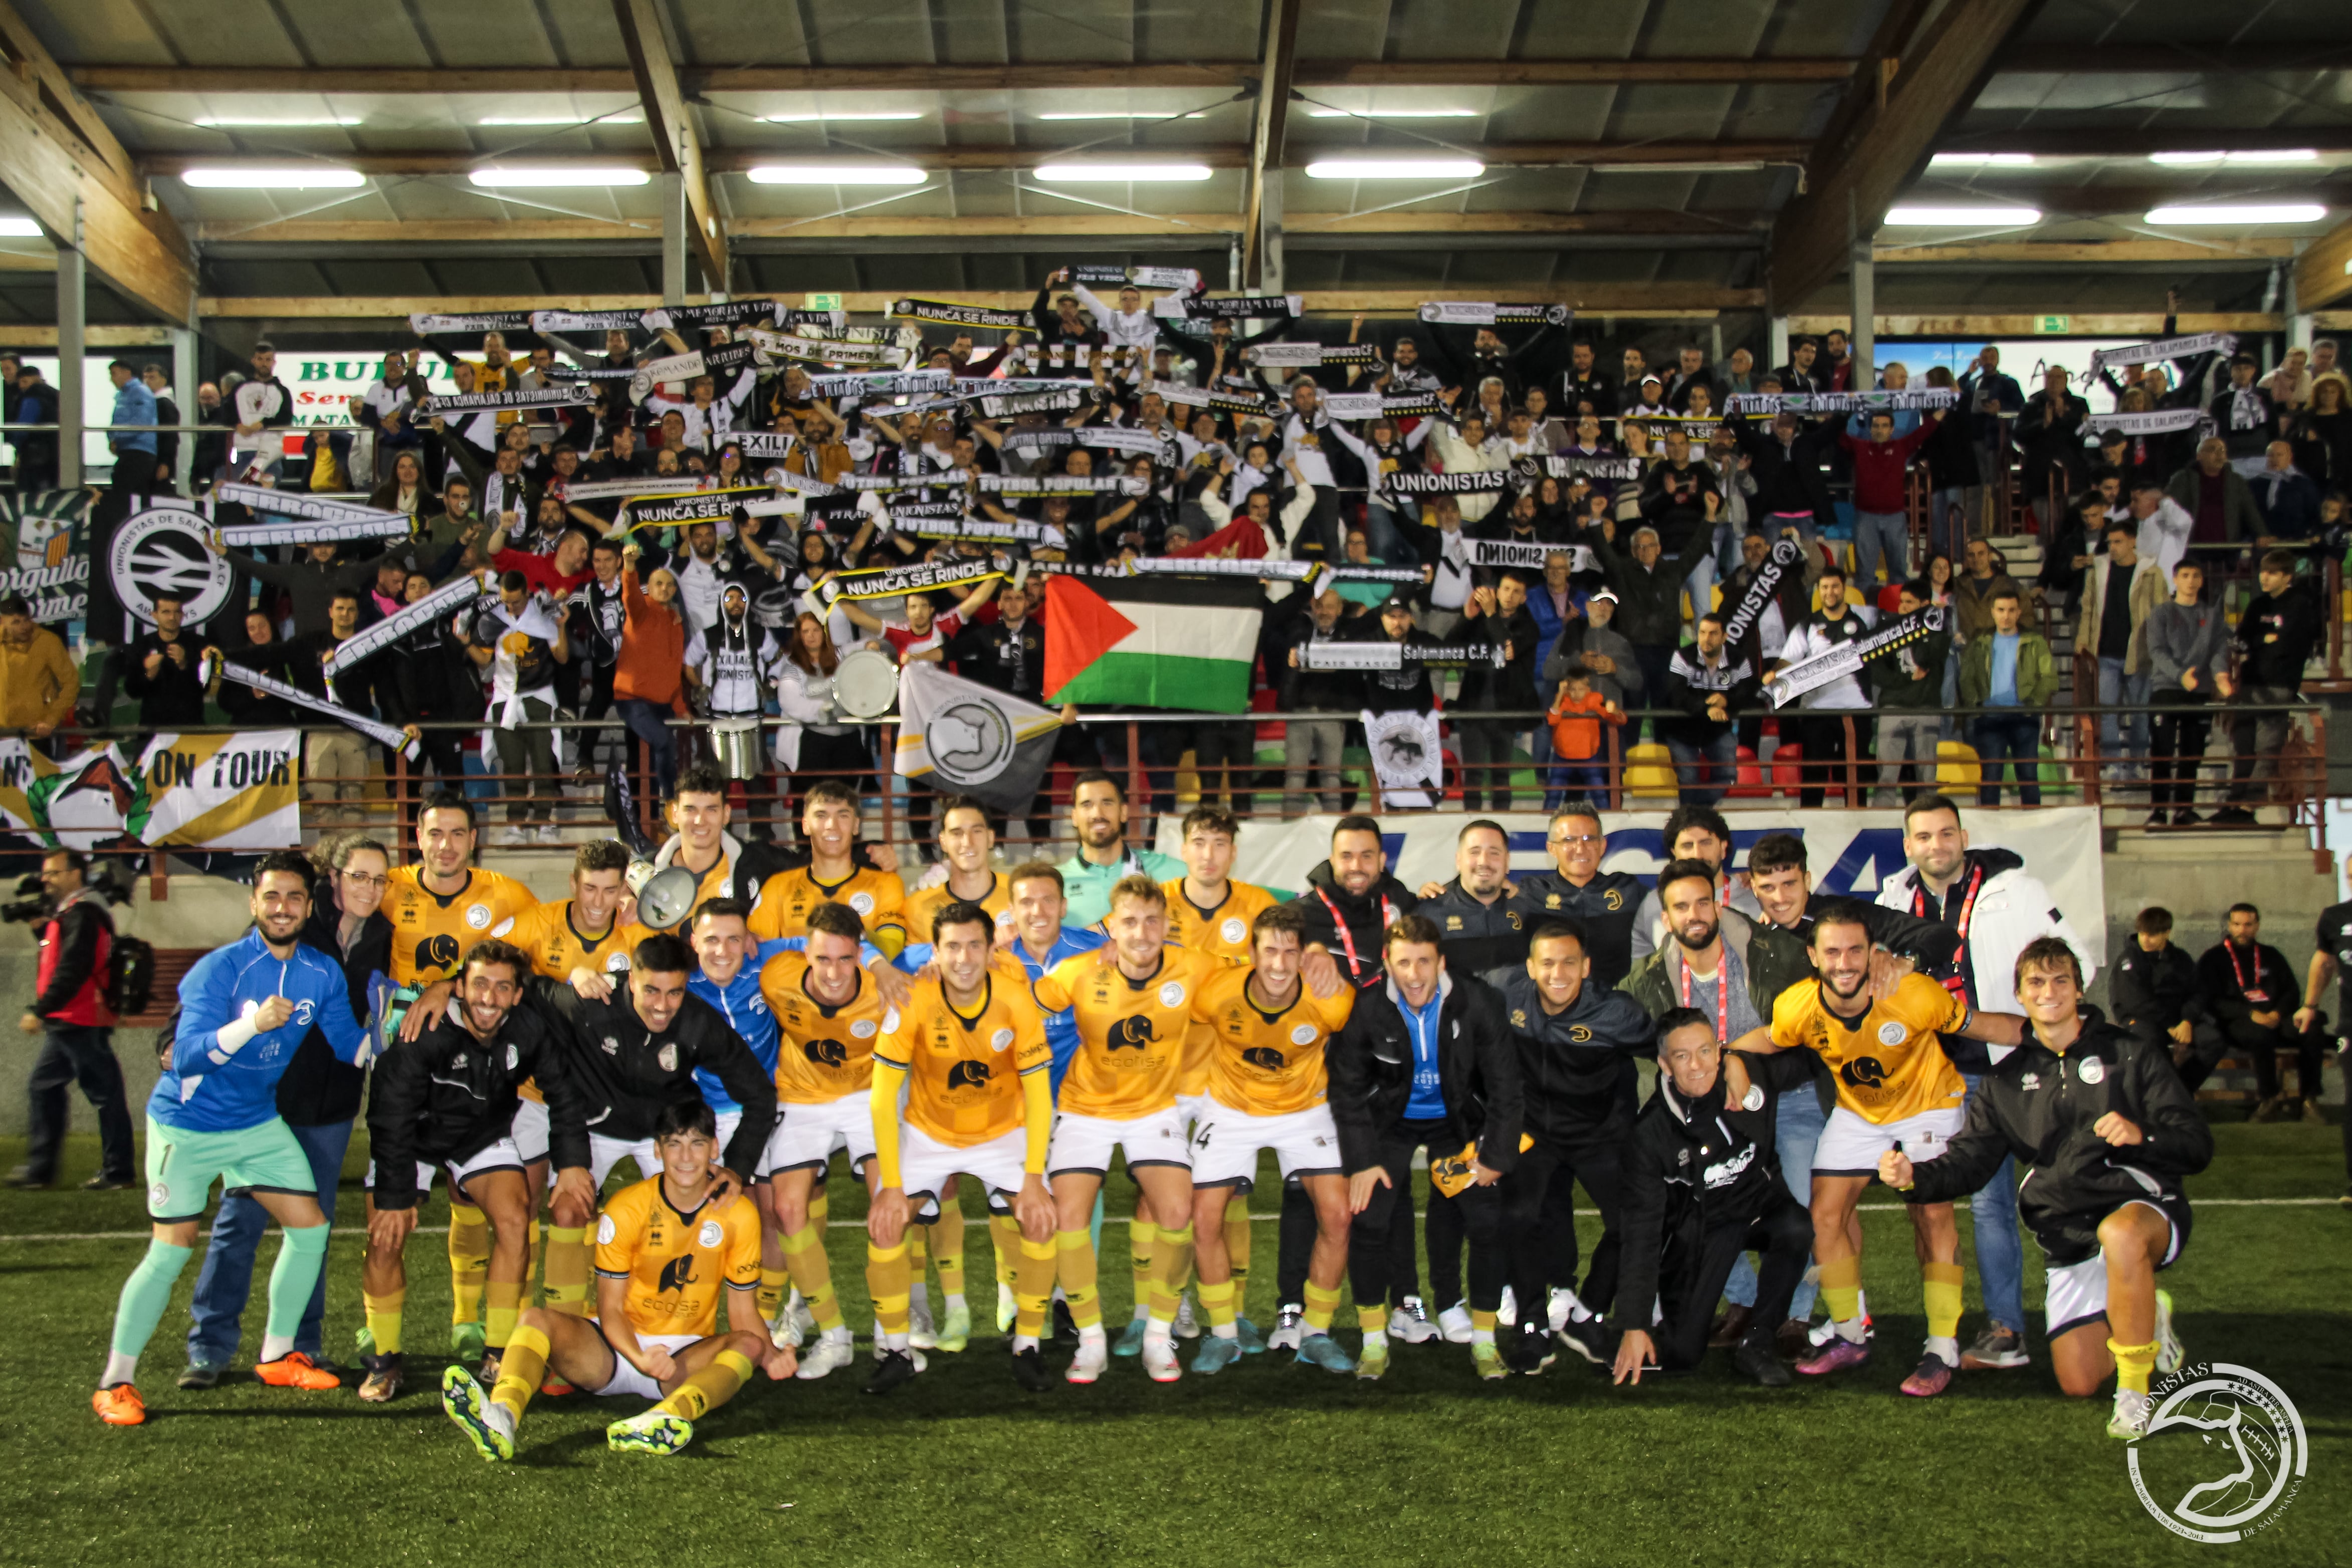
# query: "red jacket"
74, 943
1878, 469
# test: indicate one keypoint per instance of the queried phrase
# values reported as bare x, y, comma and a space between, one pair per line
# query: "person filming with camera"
77, 936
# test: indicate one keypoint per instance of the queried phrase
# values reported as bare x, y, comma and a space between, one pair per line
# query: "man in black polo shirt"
1605, 902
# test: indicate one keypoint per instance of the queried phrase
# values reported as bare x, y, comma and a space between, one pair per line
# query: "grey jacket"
1619, 683
2179, 638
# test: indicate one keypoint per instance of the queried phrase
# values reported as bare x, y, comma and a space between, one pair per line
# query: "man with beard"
1574, 1041
1897, 1089
1423, 1062
1604, 902
1099, 822
449, 1098
1691, 833
1702, 1188
732, 662
1728, 966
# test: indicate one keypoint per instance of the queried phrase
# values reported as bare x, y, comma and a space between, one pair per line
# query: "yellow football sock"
1005, 1240
1217, 1301
819, 1208
1482, 1327
1033, 1286
918, 1251
1841, 1290
520, 1370
770, 1296
1172, 1261
890, 1277
1322, 1303
811, 1271
1142, 1236
383, 1319
567, 1270
531, 1256
708, 1389
1237, 1248
506, 1306
1075, 1268
1373, 1320
947, 1246
2133, 1364
469, 1261
1939, 1290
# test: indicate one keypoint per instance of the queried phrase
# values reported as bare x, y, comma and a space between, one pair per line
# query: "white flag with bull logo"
958, 736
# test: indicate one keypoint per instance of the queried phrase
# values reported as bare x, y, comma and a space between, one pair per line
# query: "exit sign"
2051, 323
833, 302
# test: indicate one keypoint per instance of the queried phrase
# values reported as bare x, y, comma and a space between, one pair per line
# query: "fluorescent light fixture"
301, 177
1743, 168
1097, 173
1393, 113
624, 116
238, 121
838, 174
1981, 161
558, 174
19, 229
2205, 217
2206, 159
1119, 114
1962, 218
843, 114
1395, 169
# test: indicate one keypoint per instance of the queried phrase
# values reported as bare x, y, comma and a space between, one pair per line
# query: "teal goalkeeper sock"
1094, 1227
145, 1295
299, 1257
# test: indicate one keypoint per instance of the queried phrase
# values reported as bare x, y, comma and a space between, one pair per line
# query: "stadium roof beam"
677, 143
2322, 273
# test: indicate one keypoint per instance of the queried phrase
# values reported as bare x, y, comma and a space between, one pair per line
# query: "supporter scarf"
441, 603
1042, 484
947, 313
1741, 628
506, 664
383, 734
1235, 307
1481, 313
725, 313
1182, 277
895, 582
571, 394
1025, 533
2153, 422
294, 504
765, 445
382, 526
1303, 354
1126, 438
1053, 438
916, 511
428, 326
1839, 403
1807, 674
702, 507
1555, 467
712, 361
622, 489
828, 324
1456, 483
1200, 397
2165, 349
586, 320
1514, 556
1073, 356
1373, 405
599, 372
1017, 403
890, 482
881, 384
821, 351
1339, 655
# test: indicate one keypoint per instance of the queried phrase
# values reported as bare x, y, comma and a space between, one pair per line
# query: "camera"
31, 904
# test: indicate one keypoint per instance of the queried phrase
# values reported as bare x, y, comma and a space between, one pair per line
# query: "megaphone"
665, 898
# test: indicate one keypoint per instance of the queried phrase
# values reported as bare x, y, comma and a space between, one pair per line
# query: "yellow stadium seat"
1956, 765
1649, 770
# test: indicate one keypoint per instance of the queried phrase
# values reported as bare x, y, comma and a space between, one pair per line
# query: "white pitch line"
1266, 1219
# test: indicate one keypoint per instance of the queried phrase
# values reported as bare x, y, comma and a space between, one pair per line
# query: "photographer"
75, 935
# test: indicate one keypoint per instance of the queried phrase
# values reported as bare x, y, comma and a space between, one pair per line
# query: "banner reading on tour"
239, 791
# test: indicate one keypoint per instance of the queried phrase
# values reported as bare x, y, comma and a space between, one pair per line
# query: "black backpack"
127, 983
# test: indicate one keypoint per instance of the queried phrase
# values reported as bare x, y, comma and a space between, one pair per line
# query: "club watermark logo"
2224, 1454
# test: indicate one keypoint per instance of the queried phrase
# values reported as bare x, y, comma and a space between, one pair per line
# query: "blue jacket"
1547, 623
2289, 503
205, 1091
133, 405
1061, 1028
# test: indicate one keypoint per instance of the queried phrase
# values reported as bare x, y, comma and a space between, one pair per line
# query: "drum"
866, 685
735, 741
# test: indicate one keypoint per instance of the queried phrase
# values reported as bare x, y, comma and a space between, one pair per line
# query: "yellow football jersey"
823, 1052
1889, 1063
677, 1263
551, 934
430, 933
924, 902
1130, 1033
963, 1074
1267, 1064
789, 897
1223, 932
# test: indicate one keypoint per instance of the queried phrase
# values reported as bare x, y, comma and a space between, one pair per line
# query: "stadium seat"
1649, 770
1786, 777
1956, 765
1748, 777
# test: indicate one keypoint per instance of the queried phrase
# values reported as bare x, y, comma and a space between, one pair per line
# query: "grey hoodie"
2181, 637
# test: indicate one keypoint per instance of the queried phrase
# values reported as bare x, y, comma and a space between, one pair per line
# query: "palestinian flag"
1151, 642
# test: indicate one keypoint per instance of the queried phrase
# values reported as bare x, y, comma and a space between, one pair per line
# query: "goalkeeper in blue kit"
244, 1009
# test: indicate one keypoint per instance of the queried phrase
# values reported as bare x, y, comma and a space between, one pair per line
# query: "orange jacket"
652, 665
1576, 724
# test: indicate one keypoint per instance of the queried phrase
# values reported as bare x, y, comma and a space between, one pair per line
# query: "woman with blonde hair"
814, 745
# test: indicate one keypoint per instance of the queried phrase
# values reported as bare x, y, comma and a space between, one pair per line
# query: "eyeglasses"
363, 880
1577, 838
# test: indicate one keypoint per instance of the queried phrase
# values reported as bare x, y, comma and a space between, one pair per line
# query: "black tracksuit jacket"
624, 1072
445, 1096
1370, 1064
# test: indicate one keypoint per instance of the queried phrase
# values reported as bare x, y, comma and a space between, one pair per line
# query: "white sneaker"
2128, 1421
1410, 1322
831, 1353
1094, 1354
1455, 1323
921, 1331
1289, 1327
784, 1333
1508, 1316
1159, 1358
2169, 1352
549, 834
1187, 1326
512, 834
1008, 1307
1559, 1307
796, 1312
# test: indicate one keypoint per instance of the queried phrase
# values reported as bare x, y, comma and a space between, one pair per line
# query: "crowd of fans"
1650, 508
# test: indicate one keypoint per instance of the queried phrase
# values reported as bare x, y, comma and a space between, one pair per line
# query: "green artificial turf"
1267, 1463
